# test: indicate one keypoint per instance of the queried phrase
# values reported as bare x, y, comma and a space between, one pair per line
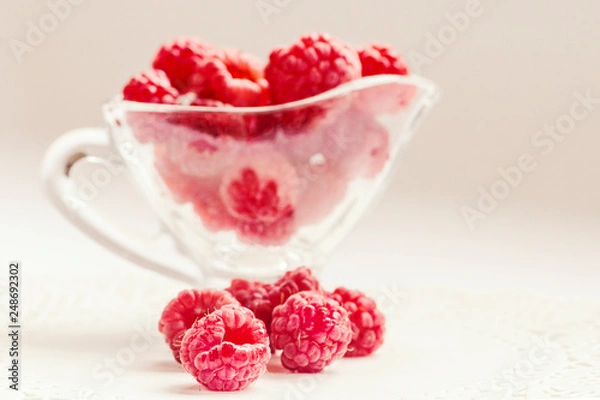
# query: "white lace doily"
440, 344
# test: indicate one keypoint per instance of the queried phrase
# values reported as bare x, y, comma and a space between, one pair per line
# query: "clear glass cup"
249, 192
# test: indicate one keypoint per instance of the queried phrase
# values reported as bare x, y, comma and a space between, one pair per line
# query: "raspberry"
179, 59
294, 281
312, 330
237, 125
358, 145
241, 65
324, 188
312, 65
368, 323
389, 98
260, 191
152, 86
226, 350
225, 87
377, 59
201, 191
206, 157
189, 305
253, 295
211, 123
184, 188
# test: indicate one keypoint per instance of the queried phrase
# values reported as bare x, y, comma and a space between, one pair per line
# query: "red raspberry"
377, 59
242, 65
189, 305
237, 125
389, 98
227, 88
368, 323
312, 330
226, 350
312, 65
180, 58
260, 191
253, 295
152, 86
294, 281
215, 123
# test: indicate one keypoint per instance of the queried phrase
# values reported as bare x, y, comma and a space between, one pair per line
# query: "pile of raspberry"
226, 338
264, 175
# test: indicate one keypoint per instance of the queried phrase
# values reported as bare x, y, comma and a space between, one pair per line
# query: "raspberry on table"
300, 279
152, 86
368, 323
312, 330
226, 350
255, 296
377, 59
312, 65
181, 313
179, 59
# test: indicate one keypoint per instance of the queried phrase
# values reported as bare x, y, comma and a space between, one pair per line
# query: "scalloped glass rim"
430, 88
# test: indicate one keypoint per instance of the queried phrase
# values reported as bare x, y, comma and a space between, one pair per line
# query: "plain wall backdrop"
506, 70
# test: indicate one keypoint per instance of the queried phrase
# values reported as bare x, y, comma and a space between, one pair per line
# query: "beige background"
514, 68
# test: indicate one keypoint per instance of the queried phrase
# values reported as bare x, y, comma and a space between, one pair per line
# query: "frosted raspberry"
226, 350
152, 86
312, 330
368, 323
322, 180
377, 59
260, 191
183, 187
324, 187
357, 144
255, 296
206, 157
213, 214
385, 98
294, 281
179, 59
189, 305
202, 191
312, 65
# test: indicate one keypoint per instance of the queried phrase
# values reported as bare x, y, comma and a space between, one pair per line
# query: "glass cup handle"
58, 161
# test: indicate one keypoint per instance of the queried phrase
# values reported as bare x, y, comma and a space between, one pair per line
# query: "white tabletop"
442, 286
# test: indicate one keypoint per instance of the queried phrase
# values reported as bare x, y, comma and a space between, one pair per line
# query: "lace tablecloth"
95, 338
